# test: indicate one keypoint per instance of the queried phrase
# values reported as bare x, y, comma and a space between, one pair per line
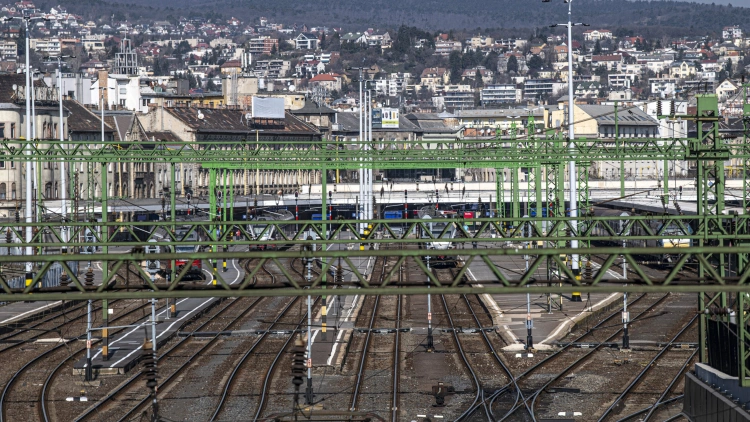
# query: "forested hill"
427, 14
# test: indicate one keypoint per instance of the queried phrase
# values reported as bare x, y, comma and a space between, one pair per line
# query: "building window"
12, 131
2, 190
13, 190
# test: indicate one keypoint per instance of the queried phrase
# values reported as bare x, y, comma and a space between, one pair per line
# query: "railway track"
481, 353
243, 378
172, 360
130, 389
557, 366
14, 402
653, 376
374, 367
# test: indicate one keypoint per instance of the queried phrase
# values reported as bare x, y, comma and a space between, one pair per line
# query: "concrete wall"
712, 396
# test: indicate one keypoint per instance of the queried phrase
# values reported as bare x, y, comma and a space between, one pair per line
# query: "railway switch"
439, 391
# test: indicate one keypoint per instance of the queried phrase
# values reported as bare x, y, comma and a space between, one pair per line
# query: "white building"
663, 87
731, 32
500, 93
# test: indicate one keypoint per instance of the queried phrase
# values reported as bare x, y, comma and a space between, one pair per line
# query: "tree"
490, 61
273, 50
402, 42
535, 62
728, 67
597, 48
454, 62
512, 65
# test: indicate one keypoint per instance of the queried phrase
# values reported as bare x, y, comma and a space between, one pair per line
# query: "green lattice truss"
716, 238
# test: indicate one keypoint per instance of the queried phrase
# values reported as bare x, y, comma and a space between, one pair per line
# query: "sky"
743, 3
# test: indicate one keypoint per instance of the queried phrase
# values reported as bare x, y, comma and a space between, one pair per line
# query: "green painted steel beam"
450, 153
374, 291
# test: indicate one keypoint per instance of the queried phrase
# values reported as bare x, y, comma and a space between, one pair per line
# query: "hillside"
428, 14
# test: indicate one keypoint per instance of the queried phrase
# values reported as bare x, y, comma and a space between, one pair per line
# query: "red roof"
606, 58
323, 78
231, 63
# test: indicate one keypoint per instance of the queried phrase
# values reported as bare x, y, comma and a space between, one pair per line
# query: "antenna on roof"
200, 115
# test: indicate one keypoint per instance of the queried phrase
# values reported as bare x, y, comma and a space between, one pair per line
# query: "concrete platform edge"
566, 326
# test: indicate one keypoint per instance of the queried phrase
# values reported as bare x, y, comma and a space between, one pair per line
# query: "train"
670, 235
440, 230
265, 232
195, 272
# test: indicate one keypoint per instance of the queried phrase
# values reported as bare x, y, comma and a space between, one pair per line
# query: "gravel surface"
196, 392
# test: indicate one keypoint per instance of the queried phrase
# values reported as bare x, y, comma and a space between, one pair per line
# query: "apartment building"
500, 93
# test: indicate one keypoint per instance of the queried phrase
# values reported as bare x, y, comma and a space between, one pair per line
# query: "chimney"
103, 76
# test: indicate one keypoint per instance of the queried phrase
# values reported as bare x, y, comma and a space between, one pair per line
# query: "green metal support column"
743, 318
324, 245
620, 150
172, 188
173, 219
710, 152
555, 196
665, 171
515, 196
499, 204
212, 216
105, 218
742, 259
584, 203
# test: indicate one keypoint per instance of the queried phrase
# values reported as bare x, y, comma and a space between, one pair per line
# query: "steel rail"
461, 351
137, 375
653, 406
363, 358
496, 356
394, 398
643, 372
555, 355
192, 357
19, 329
538, 392
265, 390
184, 366
660, 401
17, 374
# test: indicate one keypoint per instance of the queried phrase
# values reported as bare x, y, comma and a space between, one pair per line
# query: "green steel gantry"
716, 237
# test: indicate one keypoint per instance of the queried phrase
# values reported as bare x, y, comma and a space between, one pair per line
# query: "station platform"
553, 316
329, 348
15, 313
125, 347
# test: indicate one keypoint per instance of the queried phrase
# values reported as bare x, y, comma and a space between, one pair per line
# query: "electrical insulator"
588, 272
18, 217
8, 236
664, 200
298, 363
677, 207
149, 365
658, 108
339, 275
671, 107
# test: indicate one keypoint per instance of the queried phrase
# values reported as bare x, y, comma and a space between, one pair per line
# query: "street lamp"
63, 191
27, 213
571, 135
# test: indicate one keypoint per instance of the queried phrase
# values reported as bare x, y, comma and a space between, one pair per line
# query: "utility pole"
309, 389
572, 174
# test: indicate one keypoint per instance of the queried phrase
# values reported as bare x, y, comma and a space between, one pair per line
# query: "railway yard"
378, 355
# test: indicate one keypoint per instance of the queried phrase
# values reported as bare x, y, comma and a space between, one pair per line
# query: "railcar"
671, 234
